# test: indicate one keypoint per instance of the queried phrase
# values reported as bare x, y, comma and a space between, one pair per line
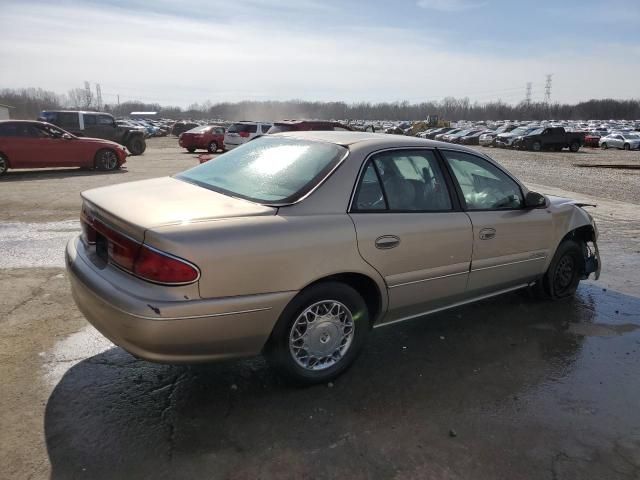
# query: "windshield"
537, 131
198, 129
268, 170
280, 128
518, 131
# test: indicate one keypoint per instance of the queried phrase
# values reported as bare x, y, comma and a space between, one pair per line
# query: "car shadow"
114, 416
54, 173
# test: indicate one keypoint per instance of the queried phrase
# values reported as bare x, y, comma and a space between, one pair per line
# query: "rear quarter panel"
245, 256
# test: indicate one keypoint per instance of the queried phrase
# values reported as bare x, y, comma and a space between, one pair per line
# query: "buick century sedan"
295, 245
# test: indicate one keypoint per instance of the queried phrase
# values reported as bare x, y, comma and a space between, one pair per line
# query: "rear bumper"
189, 331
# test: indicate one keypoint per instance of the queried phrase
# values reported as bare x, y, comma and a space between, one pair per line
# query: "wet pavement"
512, 387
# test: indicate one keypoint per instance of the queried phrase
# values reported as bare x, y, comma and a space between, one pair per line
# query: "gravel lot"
558, 170
507, 388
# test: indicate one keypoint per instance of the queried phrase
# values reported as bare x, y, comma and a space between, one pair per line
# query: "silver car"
625, 141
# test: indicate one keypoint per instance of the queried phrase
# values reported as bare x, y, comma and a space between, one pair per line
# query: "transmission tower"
98, 96
547, 88
527, 99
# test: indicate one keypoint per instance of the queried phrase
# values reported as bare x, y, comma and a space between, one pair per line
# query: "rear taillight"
136, 258
159, 267
244, 134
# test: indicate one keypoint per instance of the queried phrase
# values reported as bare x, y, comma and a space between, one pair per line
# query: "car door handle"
386, 242
487, 233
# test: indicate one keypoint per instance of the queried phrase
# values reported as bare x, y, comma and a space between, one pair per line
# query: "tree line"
29, 102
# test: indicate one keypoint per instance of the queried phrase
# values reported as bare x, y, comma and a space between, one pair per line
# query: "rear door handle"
386, 242
487, 233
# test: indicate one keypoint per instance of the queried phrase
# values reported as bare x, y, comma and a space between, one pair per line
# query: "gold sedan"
296, 245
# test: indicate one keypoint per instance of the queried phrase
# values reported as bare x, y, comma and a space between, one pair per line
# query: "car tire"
212, 147
536, 147
4, 165
627, 146
604, 146
330, 351
564, 273
136, 146
574, 147
106, 160
191, 150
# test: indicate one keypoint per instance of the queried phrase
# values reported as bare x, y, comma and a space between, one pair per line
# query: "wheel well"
6, 158
362, 284
586, 233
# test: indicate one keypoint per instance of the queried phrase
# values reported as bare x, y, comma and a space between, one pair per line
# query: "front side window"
89, 120
105, 120
410, 179
484, 186
268, 170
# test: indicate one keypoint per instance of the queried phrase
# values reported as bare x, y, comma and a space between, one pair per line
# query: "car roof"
372, 140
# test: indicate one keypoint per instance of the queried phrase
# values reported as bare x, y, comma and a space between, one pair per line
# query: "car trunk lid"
134, 207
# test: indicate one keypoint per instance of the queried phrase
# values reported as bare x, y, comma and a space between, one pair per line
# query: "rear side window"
66, 119
243, 128
8, 130
265, 128
410, 181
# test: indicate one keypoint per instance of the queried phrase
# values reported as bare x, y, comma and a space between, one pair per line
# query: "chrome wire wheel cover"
321, 335
3, 164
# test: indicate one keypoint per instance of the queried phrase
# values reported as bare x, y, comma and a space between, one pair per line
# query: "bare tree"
81, 98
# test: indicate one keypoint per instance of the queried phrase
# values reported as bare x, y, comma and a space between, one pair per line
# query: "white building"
4, 112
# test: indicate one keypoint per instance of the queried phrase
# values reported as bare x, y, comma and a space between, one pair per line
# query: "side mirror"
66, 136
534, 200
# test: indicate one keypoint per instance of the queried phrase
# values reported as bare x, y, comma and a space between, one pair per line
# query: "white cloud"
449, 5
171, 59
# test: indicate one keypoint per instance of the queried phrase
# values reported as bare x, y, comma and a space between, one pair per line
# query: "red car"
208, 137
592, 140
28, 144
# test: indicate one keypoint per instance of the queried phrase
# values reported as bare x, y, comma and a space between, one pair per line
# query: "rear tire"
604, 146
537, 147
574, 147
319, 334
213, 147
627, 146
191, 150
106, 160
136, 146
564, 273
4, 165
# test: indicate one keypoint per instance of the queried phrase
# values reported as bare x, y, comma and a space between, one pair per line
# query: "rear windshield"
198, 129
280, 129
243, 127
268, 170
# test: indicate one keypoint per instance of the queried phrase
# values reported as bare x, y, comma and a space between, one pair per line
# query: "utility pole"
118, 99
547, 88
87, 94
99, 96
527, 99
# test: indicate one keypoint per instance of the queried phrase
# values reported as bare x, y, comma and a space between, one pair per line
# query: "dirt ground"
509, 388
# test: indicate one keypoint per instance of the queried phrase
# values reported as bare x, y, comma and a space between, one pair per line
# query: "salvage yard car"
96, 125
625, 141
550, 138
208, 137
295, 245
242, 132
28, 144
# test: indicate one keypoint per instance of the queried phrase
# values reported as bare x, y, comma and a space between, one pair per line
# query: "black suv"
96, 125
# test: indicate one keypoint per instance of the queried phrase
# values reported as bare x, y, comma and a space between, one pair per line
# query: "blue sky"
169, 52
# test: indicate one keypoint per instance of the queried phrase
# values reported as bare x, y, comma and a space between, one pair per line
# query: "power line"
528, 95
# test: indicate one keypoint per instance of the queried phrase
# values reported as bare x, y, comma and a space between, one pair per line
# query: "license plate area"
102, 247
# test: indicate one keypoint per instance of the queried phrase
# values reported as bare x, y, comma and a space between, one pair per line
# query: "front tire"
4, 165
564, 273
604, 146
537, 147
136, 146
106, 160
319, 334
213, 147
627, 146
191, 149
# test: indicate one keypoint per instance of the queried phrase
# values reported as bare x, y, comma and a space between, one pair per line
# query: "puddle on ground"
35, 245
